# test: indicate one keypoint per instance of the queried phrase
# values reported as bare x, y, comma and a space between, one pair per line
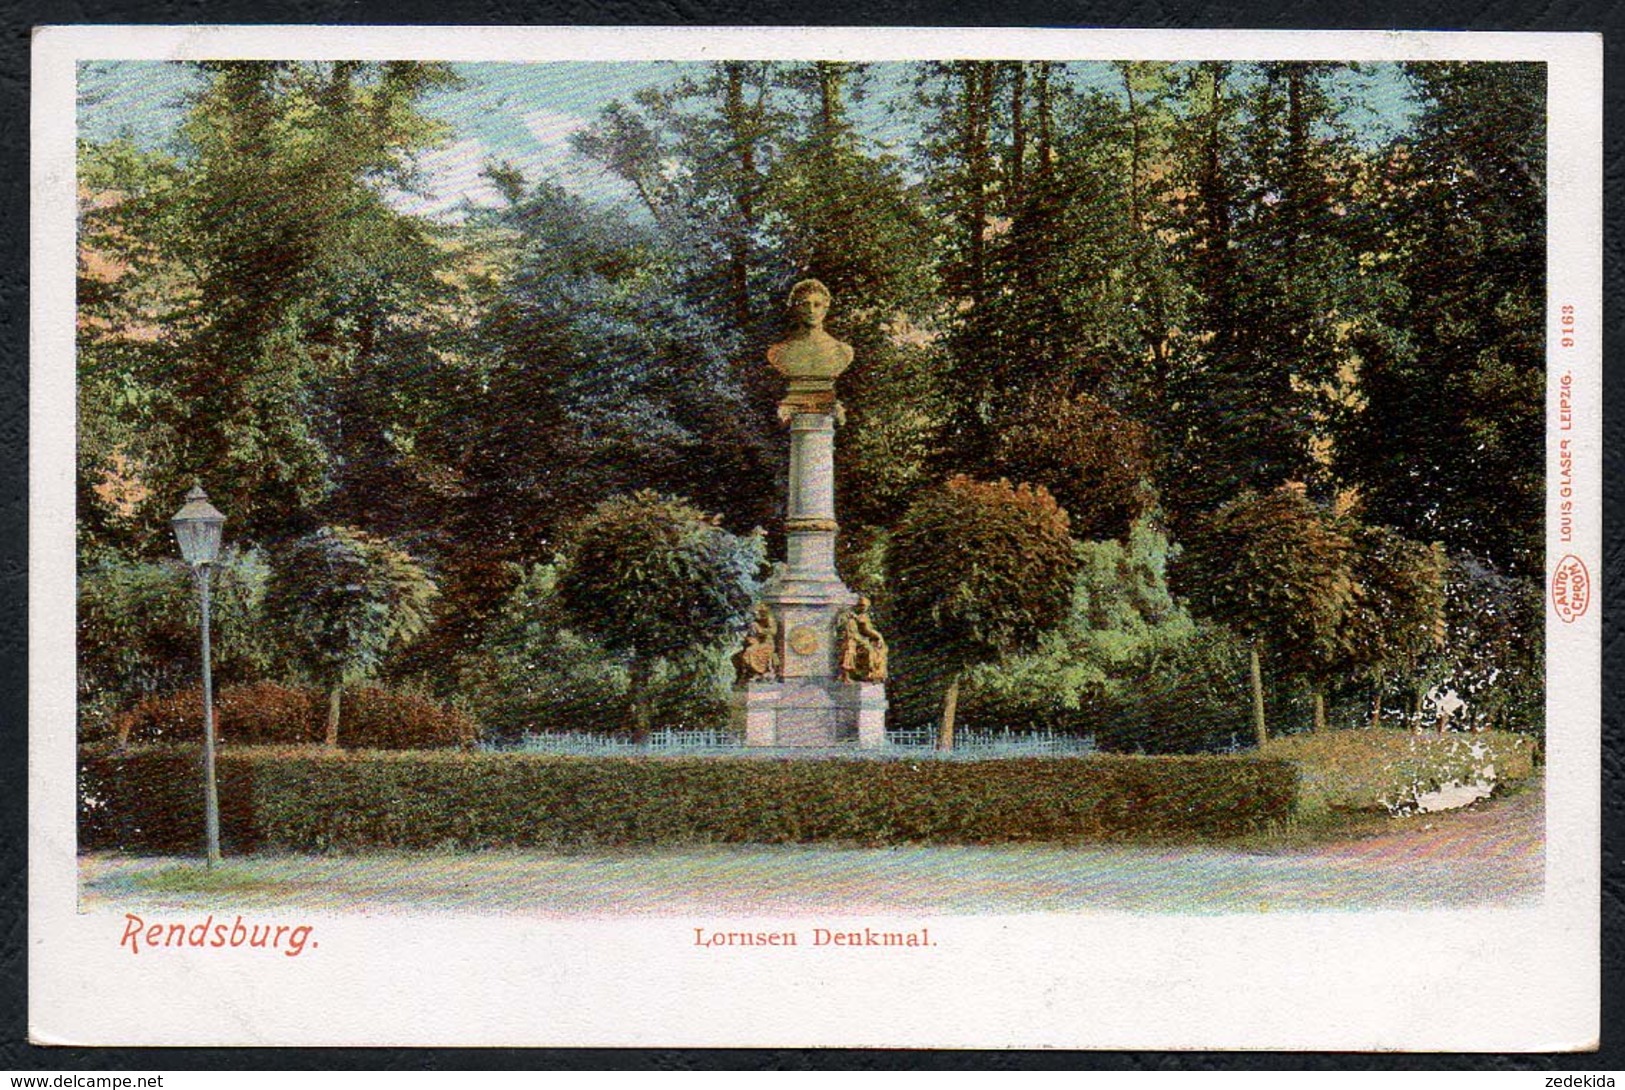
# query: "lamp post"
197, 530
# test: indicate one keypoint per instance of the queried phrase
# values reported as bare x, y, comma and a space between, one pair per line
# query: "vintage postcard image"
561, 536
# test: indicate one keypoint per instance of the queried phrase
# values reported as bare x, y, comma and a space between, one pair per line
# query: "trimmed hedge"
266, 713
149, 800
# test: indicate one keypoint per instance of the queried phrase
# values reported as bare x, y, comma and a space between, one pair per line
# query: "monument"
812, 670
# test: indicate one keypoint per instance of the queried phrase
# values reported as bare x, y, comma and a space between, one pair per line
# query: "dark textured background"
1606, 16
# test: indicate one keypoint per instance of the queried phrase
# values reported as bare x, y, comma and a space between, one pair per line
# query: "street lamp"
197, 530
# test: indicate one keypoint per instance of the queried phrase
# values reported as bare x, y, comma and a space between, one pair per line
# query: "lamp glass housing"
197, 529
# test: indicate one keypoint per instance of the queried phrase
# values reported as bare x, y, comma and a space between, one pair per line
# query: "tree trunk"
1044, 118
1134, 147
1213, 191
950, 705
1297, 194
831, 75
974, 134
1018, 134
1257, 673
333, 699
1376, 697
638, 679
1320, 711
743, 136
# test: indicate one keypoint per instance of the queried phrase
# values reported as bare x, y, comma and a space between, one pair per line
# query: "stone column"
810, 515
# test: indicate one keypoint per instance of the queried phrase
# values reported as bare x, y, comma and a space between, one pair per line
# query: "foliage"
303, 272
533, 672
1398, 610
1094, 460
139, 625
1395, 770
262, 713
1091, 674
978, 571
1274, 241
1458, 401
604, 377
269, 714
346, 599
381, 718
1149, 286
1188, 700
1275, 568
316, 800
851, 220
129, 288
654, 578
1492, 657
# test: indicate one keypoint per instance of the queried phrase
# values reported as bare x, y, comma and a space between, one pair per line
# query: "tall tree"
1447, 444
1281, 292
722, 129
131, 296
960, 154
297, 258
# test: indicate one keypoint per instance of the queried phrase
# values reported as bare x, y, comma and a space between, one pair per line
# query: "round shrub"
382, 718
264, 713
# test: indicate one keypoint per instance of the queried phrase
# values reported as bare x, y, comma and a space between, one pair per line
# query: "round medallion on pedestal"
804, 640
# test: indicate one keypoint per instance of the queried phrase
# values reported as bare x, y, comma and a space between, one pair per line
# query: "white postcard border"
1480, 980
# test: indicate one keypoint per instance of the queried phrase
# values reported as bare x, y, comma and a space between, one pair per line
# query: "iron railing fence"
913, 742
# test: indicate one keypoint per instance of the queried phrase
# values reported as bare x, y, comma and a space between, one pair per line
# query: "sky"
525, 114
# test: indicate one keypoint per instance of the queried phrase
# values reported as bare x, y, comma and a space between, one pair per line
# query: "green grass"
198, 878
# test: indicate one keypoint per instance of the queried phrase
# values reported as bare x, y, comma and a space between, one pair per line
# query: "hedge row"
266, 713
149, 800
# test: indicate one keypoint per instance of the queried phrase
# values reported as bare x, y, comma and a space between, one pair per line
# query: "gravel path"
1490, 855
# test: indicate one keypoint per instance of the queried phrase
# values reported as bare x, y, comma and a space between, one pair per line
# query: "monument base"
810, 712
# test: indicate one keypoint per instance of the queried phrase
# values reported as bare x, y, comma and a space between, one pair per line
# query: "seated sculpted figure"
863, 648
759, 658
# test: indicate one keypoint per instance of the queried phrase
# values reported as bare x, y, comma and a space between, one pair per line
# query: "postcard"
846, 537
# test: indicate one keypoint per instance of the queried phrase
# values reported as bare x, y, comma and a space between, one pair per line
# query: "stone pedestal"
809, 704
815, 712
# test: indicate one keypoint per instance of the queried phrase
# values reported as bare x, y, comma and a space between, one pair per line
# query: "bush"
532, 673
266, 713
1393, 770
314, 800
1192, 701
382, 718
